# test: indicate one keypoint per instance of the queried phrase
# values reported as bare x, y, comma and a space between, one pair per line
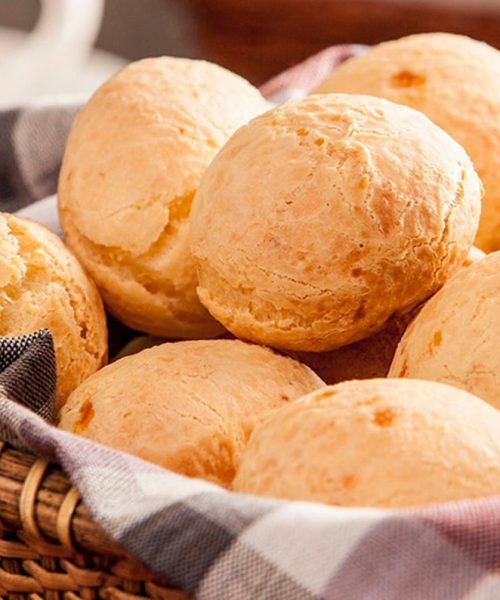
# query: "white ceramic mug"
54, 52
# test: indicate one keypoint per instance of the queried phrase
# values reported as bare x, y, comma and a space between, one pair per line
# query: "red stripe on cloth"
308, 74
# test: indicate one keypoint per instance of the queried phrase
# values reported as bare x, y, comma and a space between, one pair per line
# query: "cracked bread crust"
187, 406
42, 285
452, 79
380, 442
323, 217
134, 159
454, 339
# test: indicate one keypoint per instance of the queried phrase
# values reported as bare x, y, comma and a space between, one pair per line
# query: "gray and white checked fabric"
32, 142
214, 544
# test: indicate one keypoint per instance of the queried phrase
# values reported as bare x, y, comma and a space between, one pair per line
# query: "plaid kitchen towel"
32, 140
214, 544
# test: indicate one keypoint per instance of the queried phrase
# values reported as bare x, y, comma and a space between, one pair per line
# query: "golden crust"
321, 218
187, 406
371, 357
133, 161
455, 337
380, 442
367, 359
455, 81
42, 285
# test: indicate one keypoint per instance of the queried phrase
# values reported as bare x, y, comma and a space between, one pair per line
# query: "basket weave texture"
50, 547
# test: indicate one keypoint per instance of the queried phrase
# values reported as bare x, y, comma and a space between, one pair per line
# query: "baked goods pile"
268, 251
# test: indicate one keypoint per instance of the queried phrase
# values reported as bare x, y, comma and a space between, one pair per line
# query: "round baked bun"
370, 357
366, 359
379, 442
42, 285
454, 81
325, 216
133, 161
455, 337
187, 406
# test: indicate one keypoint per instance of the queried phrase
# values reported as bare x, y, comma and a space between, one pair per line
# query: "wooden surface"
260, 38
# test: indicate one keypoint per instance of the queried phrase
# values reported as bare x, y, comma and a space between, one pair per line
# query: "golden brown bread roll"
133, 161
321, 218
455, 337
366, 359
187, 406
452, 79
42, 285
378, 442
371, 357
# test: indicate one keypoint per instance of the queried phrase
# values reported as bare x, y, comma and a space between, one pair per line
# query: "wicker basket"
50, 547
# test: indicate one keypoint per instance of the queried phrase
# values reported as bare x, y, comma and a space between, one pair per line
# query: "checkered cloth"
214, 544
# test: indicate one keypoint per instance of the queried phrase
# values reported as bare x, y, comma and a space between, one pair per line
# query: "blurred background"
50, 47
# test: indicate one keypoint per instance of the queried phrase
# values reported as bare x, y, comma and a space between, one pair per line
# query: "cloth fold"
212, 543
